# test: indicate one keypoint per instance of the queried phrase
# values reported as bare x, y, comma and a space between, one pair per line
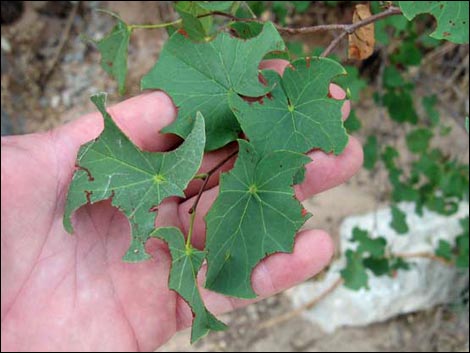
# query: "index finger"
141, 118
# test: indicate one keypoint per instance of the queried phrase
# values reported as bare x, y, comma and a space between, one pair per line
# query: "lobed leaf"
113, 49
297, 115
371, 152
200, 76
462, 242
367, 245
451, 16
185, 265
398, 222
353, 123
418, 140
354, 274
111, 166
444, 250
254, 215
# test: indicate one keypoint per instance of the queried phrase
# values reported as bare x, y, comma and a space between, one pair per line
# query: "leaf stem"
156, 25
205, 177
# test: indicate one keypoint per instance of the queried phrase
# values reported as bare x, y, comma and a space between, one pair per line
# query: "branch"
349, 29
424, 255
58, 51
333, 44
345, 28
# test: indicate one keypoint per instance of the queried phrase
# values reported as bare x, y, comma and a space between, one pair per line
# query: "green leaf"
354, 274
429, 105
404, 192
378, 265
408, 53
418, 140
254, 215
200, 28
466, 124
301, 6
462, 242
196, 28
451, 16
296, 49
400, 106
298, 115
453, 181
371, 152
352, 124
367, 245
397, 24
389, 157
299, 177
398, 222
247, 30
428, 167
111, 166
352, 82
331, 3
221, 6
399, 263
280, 9
257, 7
444, 250
113, 49
393, 77
199, 76
185, 265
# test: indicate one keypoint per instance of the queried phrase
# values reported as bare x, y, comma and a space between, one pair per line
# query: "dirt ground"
33, 101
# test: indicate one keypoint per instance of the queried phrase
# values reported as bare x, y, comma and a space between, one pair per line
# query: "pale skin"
63, 292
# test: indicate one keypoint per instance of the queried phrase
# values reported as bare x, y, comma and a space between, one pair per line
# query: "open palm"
62, 292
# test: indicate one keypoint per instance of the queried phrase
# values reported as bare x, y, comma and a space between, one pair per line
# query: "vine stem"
345, 28
205, 177
424, 255
156, 25
351, 28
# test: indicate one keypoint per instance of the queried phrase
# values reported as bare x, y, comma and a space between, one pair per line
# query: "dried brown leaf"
362, 41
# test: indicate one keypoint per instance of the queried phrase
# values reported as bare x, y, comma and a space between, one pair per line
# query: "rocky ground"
40, 92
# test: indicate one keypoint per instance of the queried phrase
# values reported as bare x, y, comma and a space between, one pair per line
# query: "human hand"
62, 292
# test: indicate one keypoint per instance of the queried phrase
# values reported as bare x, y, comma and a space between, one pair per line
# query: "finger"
324, 172
338, 93
141, 118
327, 171
312, 252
